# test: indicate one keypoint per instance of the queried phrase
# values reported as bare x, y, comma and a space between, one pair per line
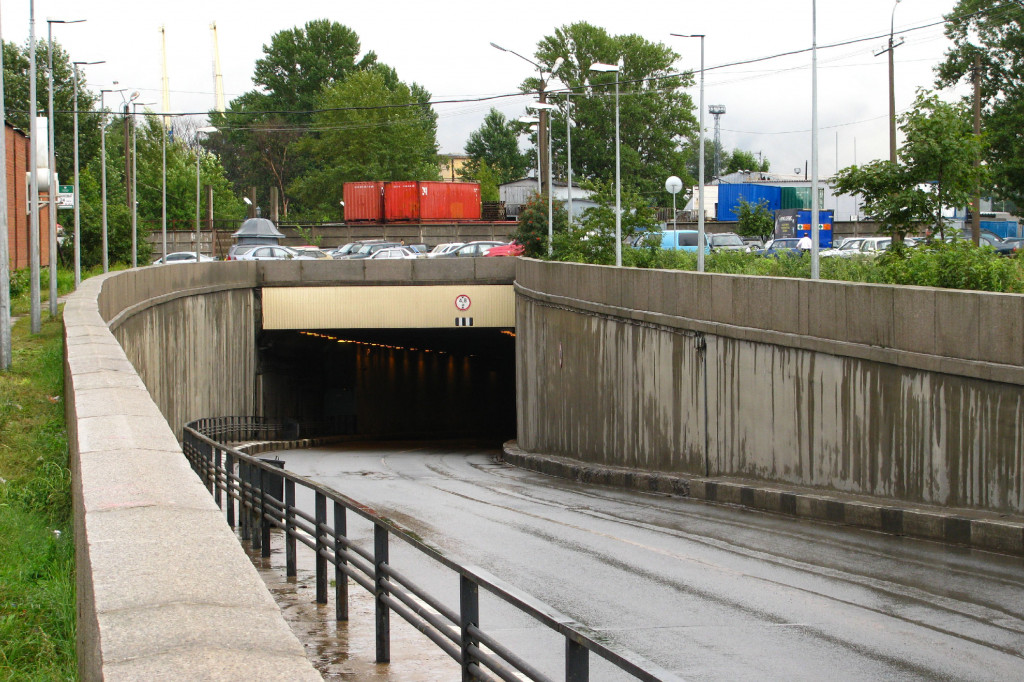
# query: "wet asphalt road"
709, 592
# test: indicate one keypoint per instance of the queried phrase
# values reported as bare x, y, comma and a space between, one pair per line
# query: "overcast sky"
444, 46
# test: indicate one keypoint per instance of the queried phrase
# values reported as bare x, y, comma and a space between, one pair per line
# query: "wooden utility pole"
209, 221
252, 202
976, 217
273, 204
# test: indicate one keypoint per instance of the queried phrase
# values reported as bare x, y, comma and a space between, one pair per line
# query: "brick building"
17, 203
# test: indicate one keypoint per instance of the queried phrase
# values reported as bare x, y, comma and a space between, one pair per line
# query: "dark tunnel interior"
392, 383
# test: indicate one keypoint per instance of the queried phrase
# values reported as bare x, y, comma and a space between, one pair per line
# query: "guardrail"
265, 498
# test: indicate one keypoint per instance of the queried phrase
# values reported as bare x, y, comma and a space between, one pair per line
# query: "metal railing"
265, 498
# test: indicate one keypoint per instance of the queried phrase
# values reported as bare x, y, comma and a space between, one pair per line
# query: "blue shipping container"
803, 227
1003, 228
729, 198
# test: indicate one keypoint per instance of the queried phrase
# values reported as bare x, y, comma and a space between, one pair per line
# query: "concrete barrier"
165, 590
906, 393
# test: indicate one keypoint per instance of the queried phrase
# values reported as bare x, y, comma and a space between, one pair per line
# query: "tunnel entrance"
392, 383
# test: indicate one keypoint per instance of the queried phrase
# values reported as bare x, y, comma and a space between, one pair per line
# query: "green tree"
935, 169
181, 193
994, 31
532, 225
597, 224
16, 91
754, 220
257, 132
489, 182
656, 115
740, 159
372, 126
496, 144
940, 149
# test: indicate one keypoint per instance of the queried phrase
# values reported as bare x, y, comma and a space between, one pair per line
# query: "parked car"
312, 252
237, 250
1016, 243
471, 250
273, 253
418, 249
183, 257
367, 249
873, 246
392, 252
726, 241
510, 249
782, 247
443, 248
850, 246
683, 240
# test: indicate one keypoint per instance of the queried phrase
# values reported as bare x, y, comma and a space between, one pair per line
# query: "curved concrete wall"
901, 392
165, 591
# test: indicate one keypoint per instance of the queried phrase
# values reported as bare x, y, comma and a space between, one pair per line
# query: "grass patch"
37, 582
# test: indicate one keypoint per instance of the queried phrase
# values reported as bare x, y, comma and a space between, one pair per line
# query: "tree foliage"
257, 133
935, 169
16, 92
656, 116
496, 144
740, 160
754, 220
532, 225
993, 30
372, 126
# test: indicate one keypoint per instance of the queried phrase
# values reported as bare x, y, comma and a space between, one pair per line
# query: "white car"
850, 246
442, 249
183, 257
393, 252
273, 253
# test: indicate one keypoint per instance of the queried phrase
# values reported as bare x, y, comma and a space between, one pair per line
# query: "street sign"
66, 196
462, 302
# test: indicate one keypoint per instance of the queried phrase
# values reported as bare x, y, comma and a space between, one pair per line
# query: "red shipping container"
444, 201
364, 202
402, 201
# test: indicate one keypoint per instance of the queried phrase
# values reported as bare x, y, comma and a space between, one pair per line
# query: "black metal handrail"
265, 495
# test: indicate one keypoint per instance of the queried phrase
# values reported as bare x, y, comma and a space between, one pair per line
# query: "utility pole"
892, 86
5, 275
976, 217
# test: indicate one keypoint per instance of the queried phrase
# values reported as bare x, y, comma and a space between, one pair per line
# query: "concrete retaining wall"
165, 590
900, 392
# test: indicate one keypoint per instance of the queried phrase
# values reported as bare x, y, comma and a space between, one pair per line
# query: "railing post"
321, 547
264, 476
289, 522
256, 531
340, 579
243, 483
469, 614
577, 662
380, 559
216, 467
229, 470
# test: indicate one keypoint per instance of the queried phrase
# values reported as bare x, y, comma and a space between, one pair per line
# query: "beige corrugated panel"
388, 307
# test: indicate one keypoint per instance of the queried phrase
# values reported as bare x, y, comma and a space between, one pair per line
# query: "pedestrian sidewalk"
970, 527
44, 308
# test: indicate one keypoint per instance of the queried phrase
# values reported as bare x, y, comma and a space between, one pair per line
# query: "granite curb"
971, 528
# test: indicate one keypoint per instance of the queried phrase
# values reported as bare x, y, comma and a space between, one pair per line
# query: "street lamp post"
544, 106
33, 162
673, 185
78, 210
53, 163
103, 174
5, 275
135, 185
814, 141
568, 154
199, 131
609, 68
543, 148
534, 123
892, 86
701, 234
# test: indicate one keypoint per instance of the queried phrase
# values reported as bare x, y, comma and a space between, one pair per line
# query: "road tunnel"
392, 383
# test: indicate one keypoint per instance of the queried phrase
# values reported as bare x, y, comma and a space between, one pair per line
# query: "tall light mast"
218, 75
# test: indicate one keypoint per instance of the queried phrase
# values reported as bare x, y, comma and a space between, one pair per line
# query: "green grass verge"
37, 581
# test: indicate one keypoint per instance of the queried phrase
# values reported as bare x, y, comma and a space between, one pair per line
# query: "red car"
511, 249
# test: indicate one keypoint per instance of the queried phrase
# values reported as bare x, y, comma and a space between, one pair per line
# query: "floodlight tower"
717, 110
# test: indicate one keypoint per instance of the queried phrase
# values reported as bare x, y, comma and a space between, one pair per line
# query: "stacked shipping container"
411, 201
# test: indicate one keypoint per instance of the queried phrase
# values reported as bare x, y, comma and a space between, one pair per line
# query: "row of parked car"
367, 249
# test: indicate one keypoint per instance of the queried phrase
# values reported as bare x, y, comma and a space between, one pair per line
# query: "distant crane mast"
167, 87
218, 76
717, 110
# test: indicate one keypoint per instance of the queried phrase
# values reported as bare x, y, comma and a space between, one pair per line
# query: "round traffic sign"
462, 302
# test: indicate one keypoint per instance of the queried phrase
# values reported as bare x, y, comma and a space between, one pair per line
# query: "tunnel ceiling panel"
389, 307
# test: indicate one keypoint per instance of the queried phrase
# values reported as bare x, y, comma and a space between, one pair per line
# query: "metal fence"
264, 496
